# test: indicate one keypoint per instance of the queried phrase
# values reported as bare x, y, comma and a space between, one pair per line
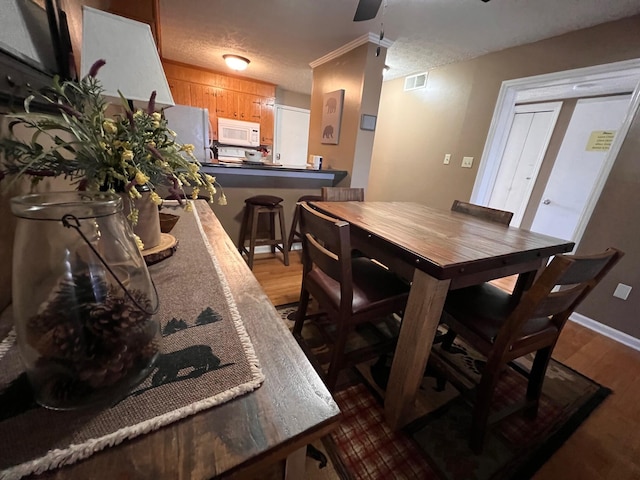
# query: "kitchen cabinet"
238, 105
211, 103
226, 103
181, 91
224, 96
250, 107
204, 97
267, 109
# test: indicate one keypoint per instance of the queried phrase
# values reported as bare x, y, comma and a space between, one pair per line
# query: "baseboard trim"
607, 331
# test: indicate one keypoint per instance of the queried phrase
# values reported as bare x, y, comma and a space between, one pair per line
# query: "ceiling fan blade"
367, 9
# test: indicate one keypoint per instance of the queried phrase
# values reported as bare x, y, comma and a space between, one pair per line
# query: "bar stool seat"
254, 206
294, 233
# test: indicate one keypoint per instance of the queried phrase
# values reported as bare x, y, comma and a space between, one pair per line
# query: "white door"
526, 146
582, 157
291, 136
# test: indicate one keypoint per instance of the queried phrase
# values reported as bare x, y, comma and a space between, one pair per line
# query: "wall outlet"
447, 159
467, 162
622, 291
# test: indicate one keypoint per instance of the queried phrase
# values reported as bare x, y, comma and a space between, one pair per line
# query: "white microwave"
238, 132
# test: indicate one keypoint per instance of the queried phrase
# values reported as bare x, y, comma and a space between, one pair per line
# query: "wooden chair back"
350, 290
327, 246
559, 289
342, 194
493, 323
486, 213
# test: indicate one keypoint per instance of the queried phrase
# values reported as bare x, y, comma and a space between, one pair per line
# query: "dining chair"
342, 194
485, 213
502, 217
503, 329
294, 231
351, 291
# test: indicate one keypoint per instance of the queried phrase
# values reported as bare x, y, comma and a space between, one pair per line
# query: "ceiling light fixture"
236, 62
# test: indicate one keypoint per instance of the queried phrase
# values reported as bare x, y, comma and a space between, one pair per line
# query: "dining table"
436, 251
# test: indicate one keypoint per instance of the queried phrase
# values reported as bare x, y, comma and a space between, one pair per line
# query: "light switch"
447, 159
467, 162
622, 291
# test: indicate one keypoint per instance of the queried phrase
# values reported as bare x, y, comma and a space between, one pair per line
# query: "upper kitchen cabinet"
267, 122
238, 105
249, 107
226, 103
181, 91
224, 96
205, 97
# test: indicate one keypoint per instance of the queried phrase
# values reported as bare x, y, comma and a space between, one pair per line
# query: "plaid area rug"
435, 447
206, 358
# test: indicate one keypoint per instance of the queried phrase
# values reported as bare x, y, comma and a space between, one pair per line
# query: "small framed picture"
332, 116
368, 122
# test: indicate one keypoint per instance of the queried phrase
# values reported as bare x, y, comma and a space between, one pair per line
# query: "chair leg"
254, 233
294, 226
536, 379
283, 236
272, 228
302, 312
243, 228
484, 394
337, 356
447, 341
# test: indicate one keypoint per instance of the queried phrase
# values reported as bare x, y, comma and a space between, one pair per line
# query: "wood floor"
605, 446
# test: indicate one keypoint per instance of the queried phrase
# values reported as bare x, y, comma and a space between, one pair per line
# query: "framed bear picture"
331, 116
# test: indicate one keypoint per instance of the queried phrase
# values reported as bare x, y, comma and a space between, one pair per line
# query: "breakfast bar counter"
272, 176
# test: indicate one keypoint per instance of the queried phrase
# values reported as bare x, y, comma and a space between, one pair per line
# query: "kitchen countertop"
252, 175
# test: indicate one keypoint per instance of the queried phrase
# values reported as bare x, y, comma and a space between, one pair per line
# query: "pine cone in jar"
64, 341
69, 302
62, 388
109, 367
118, 315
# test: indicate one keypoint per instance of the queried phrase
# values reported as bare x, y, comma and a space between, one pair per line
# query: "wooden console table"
239, 438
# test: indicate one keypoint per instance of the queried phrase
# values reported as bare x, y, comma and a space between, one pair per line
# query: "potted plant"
130, 152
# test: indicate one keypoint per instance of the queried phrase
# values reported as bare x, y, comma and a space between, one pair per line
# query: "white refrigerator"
191, 125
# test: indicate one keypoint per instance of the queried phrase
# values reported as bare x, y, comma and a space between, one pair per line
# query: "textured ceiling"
281, 37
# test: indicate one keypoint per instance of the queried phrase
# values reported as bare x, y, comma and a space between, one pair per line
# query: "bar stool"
254, 206
294, 234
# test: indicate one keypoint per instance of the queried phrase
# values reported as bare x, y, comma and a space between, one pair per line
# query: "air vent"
414, 82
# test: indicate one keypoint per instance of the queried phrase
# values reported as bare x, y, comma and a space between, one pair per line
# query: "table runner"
206, 359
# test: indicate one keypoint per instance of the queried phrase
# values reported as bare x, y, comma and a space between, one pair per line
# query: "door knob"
546, 201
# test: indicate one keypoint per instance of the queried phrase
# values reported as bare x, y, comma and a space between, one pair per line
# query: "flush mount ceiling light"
236, 62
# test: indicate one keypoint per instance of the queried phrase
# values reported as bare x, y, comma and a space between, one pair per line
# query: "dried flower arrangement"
96, 152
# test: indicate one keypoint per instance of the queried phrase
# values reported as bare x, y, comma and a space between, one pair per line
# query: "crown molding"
366, 38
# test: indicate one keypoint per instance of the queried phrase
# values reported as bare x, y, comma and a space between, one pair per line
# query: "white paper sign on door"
600, 140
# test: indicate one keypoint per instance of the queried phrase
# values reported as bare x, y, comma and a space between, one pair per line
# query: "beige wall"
293, 99
453, 114
356, 72
10, 189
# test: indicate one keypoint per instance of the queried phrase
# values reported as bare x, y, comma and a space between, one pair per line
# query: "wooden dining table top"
444, 243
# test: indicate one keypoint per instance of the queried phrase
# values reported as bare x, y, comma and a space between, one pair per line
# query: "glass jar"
83, 300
